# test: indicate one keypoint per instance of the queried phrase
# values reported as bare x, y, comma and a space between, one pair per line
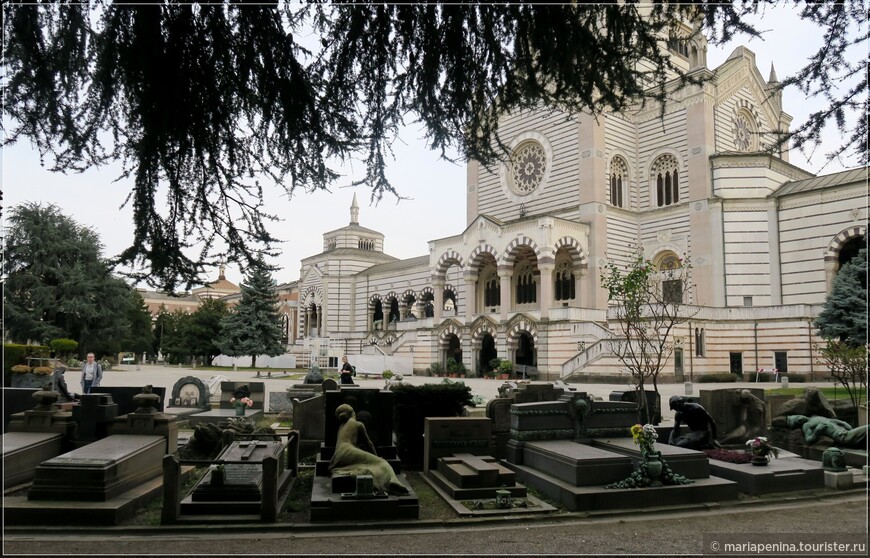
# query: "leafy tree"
140, 338
843, 324
254, 327
173, 341
202, 99
63, 347
58, 284
649, 305
204, 329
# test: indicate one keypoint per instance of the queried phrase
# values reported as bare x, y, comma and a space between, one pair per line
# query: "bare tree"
650, 301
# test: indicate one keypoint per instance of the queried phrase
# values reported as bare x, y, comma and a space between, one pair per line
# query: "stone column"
470, 297
546, 289
438, 302
504, 277
578, 282
319, 320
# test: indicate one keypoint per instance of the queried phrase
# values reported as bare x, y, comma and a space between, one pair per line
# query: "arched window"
526, 286
666, 180
669, 267
491, 290
565, 286
618, 181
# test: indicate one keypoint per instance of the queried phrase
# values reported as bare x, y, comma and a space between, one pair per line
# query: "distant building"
522, 281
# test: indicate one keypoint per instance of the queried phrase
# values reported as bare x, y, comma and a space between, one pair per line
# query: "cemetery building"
522, 280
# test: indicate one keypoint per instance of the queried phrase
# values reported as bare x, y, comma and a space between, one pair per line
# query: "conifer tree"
844, 317
254, 327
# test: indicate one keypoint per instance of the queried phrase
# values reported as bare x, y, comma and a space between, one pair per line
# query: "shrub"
63, 346
797, 378
21, 369
43, 370
761, 377
712, 378
493, 364
435, 368
387, 374
413, 404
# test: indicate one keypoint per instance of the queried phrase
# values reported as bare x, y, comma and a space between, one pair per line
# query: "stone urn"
760, 460
653, 466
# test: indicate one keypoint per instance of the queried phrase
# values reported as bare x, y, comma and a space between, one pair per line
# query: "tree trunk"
253, 361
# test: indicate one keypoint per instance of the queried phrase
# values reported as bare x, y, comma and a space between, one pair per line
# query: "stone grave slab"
576, 464
446, 436
257, 389
94, 413
546, 420
327, 505
238, 490
99, 471
123, 397
24, 451
465, 476
16, 400
611, 419
217, 416
779, 475
597, 498
691, 464
189, 392
499, 412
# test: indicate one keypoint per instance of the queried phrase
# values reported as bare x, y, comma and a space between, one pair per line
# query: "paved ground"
166, 376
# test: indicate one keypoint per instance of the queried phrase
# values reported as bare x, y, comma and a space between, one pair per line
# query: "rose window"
528, 164
742, 133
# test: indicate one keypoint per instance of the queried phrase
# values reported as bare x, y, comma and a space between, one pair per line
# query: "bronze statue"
840, 432
58, 382
751, 421
702, 427
349, 459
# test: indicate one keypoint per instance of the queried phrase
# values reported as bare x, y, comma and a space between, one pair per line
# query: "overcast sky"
435, 189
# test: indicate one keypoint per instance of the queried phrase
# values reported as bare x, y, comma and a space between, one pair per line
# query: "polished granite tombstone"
786, 474
24, 451
226, 410
691, 464
236, 488
100, 470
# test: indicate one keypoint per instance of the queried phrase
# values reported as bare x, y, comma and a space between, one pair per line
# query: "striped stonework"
449, 328
520, 325
510, 253
833, 252
447, 260
476, 259
574, 249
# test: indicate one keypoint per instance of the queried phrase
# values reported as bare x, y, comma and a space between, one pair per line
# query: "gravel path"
640, 532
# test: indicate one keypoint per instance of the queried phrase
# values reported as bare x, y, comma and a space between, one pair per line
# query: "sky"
434, 189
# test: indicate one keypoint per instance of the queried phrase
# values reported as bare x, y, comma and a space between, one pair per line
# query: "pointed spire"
221, 272
772, 78
354, 211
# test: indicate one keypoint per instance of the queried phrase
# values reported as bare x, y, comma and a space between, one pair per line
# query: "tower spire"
354, 211
772, 78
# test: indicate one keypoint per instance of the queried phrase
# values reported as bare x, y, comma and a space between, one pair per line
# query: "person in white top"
92, 373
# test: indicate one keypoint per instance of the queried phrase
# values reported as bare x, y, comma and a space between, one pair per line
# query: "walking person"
347, 371
92, 373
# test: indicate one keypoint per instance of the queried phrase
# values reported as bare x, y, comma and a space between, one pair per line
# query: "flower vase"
653, 466
760, 460
240, 410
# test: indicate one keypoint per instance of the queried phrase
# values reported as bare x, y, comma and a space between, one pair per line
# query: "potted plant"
505, 368
241, 405
24, 376
436, 369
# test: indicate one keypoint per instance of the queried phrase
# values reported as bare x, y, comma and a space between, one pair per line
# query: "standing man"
92, 373
346, 371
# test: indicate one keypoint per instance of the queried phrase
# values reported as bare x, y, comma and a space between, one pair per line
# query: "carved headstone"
190, 391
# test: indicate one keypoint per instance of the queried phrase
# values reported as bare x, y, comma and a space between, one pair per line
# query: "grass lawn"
829, 392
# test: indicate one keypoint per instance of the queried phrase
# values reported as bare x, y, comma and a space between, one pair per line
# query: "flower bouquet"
761, 450
645, 436
241, 404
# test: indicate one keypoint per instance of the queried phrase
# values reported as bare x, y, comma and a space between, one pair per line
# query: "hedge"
413, 404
